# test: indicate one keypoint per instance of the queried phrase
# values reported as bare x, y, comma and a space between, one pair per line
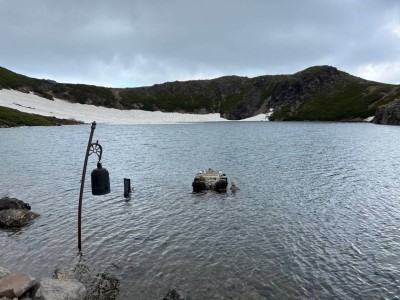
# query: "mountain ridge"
318, 93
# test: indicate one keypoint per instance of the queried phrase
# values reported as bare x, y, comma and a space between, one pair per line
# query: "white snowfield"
31, 103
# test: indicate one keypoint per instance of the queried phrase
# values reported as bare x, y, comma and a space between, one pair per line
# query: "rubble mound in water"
210, 180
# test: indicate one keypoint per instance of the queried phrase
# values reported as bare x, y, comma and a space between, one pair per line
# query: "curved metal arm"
91, 148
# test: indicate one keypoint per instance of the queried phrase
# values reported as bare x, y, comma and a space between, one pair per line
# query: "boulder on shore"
23, 286
60, 289
15, 284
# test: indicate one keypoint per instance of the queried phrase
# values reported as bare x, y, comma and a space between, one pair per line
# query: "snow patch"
62, 109
369, 119
31, 103
260, 117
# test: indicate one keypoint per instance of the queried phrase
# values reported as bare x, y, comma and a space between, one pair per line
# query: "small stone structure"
210, 180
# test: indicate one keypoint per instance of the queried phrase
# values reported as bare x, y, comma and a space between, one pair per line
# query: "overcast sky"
128, 43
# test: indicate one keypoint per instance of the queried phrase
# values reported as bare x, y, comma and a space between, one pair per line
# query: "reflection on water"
316, 215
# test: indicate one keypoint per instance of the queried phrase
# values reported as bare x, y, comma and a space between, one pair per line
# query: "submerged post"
127, 187
83, 183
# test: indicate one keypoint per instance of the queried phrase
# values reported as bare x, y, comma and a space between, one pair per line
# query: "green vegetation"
81, 93
230, 102
11, 118
345, 98
265, 94
350, 99
233, 100
385, 100
164, 100
281, 114
11, 80
346, 102
99, 95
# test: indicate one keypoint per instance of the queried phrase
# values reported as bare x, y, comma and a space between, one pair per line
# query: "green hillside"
318, 93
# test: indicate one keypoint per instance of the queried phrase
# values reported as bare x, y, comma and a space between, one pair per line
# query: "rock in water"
173, 295
16, 217
13, 203
15, 284
234, 186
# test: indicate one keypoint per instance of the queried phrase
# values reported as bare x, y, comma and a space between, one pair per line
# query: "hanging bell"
100, 181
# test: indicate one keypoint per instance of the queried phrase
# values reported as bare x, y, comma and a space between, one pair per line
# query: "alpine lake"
316, 216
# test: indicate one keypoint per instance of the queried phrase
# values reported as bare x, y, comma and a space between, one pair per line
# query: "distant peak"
323, 68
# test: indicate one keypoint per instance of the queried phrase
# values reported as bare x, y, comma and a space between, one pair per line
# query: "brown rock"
15, 284
16, 217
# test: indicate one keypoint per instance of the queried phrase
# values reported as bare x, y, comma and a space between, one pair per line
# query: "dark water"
317, 214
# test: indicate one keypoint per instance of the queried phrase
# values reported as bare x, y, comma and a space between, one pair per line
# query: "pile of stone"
15, 213
63, 286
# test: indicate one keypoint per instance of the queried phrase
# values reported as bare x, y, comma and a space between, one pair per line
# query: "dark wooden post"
127, 187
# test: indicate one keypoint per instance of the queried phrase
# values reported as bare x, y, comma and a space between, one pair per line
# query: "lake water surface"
317, 214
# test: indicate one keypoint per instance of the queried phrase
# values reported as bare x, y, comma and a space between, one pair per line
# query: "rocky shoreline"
15, 213
62, 286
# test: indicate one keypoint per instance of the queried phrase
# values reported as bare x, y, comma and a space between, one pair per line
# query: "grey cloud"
133, 43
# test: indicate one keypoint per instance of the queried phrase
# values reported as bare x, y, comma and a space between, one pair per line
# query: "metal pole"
83, 183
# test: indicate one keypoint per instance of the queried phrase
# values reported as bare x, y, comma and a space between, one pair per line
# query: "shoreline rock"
23, 286
60, 289
15, 285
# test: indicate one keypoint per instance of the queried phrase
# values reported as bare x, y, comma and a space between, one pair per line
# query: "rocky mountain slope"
388, 114
317, 93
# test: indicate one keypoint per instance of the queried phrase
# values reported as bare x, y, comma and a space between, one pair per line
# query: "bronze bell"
100, 181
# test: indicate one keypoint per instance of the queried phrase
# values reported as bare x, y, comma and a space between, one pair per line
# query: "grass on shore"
12, 118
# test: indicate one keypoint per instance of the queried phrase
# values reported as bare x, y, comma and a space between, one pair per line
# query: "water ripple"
316, 215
